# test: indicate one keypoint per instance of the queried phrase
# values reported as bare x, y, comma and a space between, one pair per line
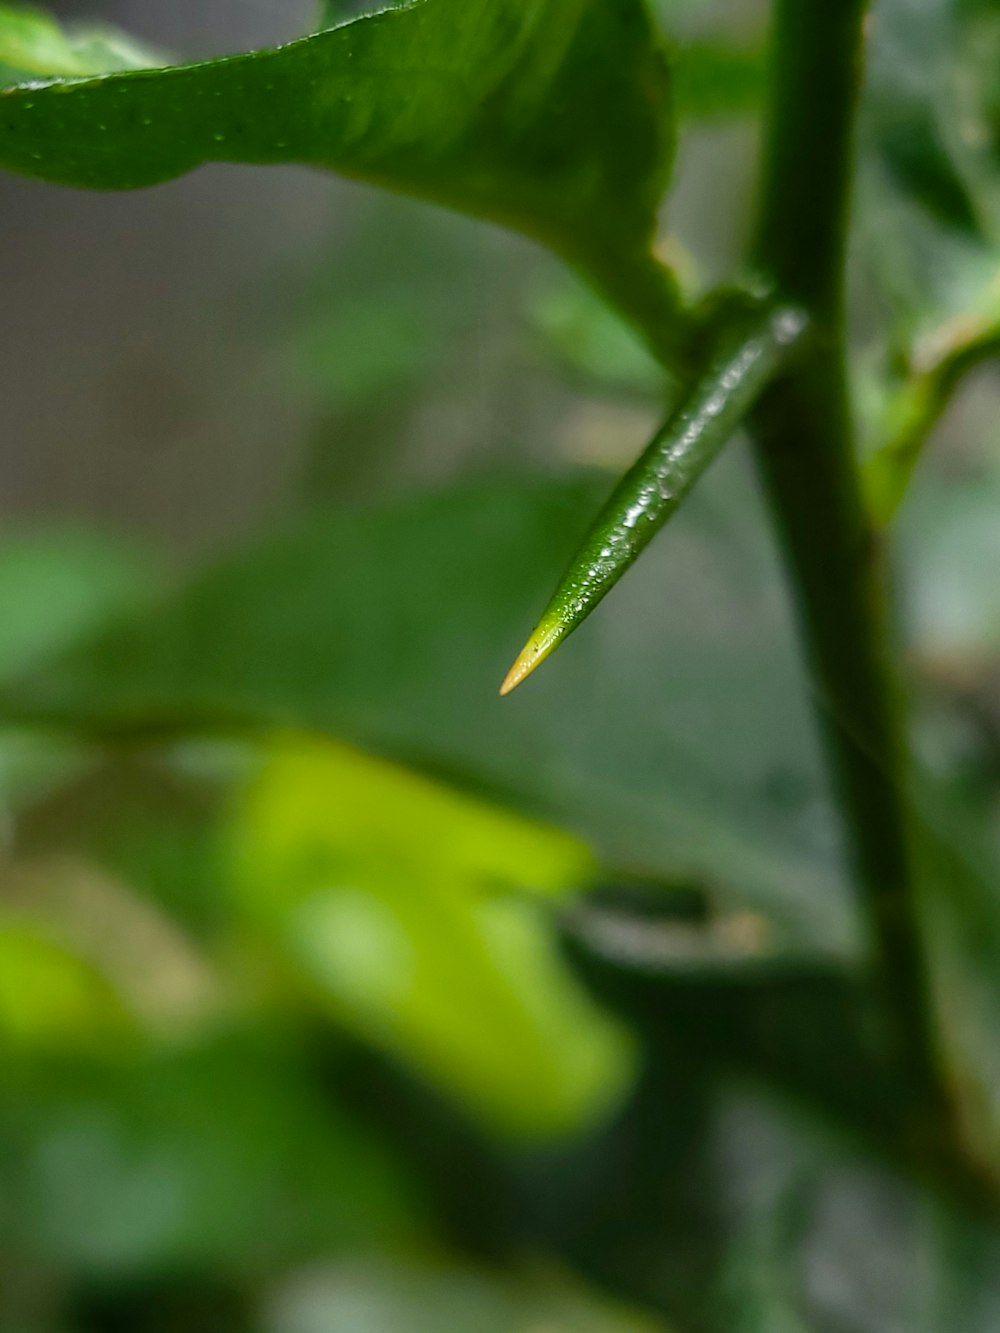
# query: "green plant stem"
805, 452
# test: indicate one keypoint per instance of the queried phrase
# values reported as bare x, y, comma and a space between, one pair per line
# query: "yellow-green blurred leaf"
398, 901
554, 119
48, 995
33, 44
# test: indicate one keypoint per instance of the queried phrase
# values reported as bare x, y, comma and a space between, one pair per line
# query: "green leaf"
376, 324
717, 80
388, 627
914, 114
51, 996
929, 155
376, 1295
948, 543
162, 984
924, 226
552, 117
59, 587
928, 229
950, 539
135, 1161
593, 343
332, 13
746, 349
34, 45
393, 897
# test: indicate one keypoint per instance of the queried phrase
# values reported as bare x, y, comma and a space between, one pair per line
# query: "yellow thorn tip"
533, 654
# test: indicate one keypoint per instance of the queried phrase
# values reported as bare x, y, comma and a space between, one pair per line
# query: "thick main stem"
805, 452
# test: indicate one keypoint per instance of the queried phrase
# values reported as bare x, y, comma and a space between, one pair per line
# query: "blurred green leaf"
927, 274
917, 113
554, 119
948, 545
390, 627
375, 344
967, 1261
932, 220
818, 1236
388, 892
58, 587
161, 984
225, 1154
55, 588
957, 861
377, 1295
382, 815
718, 80
593, 342
33, 765
928, 230
33, 45
950, 540
931, 173
147, 820
377, 324
741, 1014
49, 996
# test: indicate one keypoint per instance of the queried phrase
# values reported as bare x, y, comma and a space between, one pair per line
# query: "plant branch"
920, 402
805, 452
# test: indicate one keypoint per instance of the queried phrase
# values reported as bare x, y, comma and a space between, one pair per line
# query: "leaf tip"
542, 642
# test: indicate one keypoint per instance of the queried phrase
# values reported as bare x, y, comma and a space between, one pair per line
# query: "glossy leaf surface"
553, 118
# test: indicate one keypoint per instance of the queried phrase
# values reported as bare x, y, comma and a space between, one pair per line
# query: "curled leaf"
751, 343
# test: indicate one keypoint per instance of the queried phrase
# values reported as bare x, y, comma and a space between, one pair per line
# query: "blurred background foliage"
336, 994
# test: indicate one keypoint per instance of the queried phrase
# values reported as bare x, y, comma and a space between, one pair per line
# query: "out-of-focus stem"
805, 452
